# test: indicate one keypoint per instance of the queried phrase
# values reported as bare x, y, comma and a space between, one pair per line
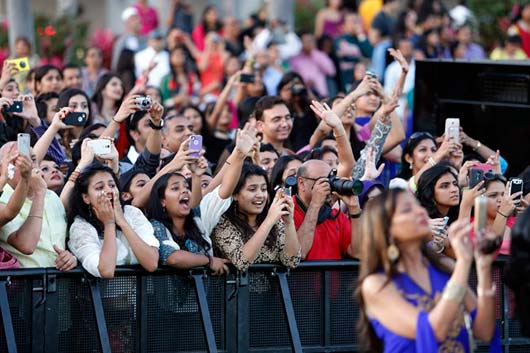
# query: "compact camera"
144, 103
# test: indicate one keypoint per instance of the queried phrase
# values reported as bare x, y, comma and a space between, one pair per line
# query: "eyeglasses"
308, 178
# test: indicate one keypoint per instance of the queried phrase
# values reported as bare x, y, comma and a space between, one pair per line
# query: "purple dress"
457, 340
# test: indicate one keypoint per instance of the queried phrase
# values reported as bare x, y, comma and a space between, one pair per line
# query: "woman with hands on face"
103, 234
251, 231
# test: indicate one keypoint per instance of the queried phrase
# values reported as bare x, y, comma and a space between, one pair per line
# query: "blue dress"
457, 340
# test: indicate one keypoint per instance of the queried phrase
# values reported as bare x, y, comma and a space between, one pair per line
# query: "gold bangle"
454, 292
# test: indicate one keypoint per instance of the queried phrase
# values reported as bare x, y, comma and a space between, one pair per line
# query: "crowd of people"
241, 143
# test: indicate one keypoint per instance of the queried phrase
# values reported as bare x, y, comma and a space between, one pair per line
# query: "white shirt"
86, 245
132, 154
143, 58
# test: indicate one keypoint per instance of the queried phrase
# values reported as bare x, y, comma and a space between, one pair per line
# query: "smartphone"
247, 78
196, 145
100, 146
288, 191
16, 107
485, 167
515, 186
23, 143
22, 64
371, 74
452, 129
475, 177
479, 222
76, 119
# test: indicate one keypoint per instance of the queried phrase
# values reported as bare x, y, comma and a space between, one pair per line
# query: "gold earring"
392, 251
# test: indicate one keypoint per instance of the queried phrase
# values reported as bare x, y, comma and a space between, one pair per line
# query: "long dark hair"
155, 211
517, 273
67, 94
279, 168
97, 97
239, 219
41, 102
375, 239
78, 207
426, 184
218, 24
43, 70
414, 140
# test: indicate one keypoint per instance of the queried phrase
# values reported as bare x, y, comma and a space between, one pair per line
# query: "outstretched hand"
398, 56
370, 170
324, 112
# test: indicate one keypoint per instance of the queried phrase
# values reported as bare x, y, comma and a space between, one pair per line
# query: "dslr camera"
344, 186
144, 103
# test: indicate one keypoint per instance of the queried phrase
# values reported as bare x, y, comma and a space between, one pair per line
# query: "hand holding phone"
515, 185
195, 145
75, 119
16, 107
100, 146
452, 129
475, 177
21, 64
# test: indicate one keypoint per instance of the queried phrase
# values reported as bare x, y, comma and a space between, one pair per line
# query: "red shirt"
332, 237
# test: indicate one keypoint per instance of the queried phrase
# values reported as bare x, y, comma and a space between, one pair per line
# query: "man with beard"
324, 233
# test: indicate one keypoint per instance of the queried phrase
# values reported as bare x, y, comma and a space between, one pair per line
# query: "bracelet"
337, 136
356, 215
40, 217
454, 292
116, 121
487, 292
108, 223
227, 162
505, 216
477, 146
210, 260
431, 161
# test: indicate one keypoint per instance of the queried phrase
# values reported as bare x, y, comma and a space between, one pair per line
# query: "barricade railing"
267, 309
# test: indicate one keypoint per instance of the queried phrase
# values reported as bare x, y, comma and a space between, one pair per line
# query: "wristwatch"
156, 127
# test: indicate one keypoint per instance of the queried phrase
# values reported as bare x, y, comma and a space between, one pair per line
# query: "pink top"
148, 18
506, 243
314, 68
333, 28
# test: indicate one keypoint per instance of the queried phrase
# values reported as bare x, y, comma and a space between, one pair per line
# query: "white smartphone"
452, 129
100, 146
23, 144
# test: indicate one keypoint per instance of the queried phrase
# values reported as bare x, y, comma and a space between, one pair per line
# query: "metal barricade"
267, 309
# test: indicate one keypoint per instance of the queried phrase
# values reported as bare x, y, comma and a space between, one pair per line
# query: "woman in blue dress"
409, 302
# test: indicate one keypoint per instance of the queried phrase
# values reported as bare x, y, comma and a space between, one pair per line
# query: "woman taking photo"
251, 231
103, 234
181, 86
107, 98
408, 303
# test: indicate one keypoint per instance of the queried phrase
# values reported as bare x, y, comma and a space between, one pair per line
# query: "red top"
525, 39
148, 18
332, 237
506, 243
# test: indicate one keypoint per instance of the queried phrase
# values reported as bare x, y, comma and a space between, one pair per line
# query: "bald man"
37, 235
323, 232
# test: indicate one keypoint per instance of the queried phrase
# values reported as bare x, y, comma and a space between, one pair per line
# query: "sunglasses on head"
420, 135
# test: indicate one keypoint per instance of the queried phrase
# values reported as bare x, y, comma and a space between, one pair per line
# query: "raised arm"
87, 157
9, 211
221, 101
368, 84
346, 159
43, 143
128, 107
230, 172
25, 239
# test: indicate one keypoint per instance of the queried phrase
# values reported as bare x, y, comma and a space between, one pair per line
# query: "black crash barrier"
269, 309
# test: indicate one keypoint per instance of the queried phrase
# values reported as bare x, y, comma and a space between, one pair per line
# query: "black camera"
343, 186
144, 103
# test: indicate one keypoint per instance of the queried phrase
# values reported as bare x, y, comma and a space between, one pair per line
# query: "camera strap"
325, 212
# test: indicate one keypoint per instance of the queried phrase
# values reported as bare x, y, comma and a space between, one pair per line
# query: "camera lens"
346, 187
22, 64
